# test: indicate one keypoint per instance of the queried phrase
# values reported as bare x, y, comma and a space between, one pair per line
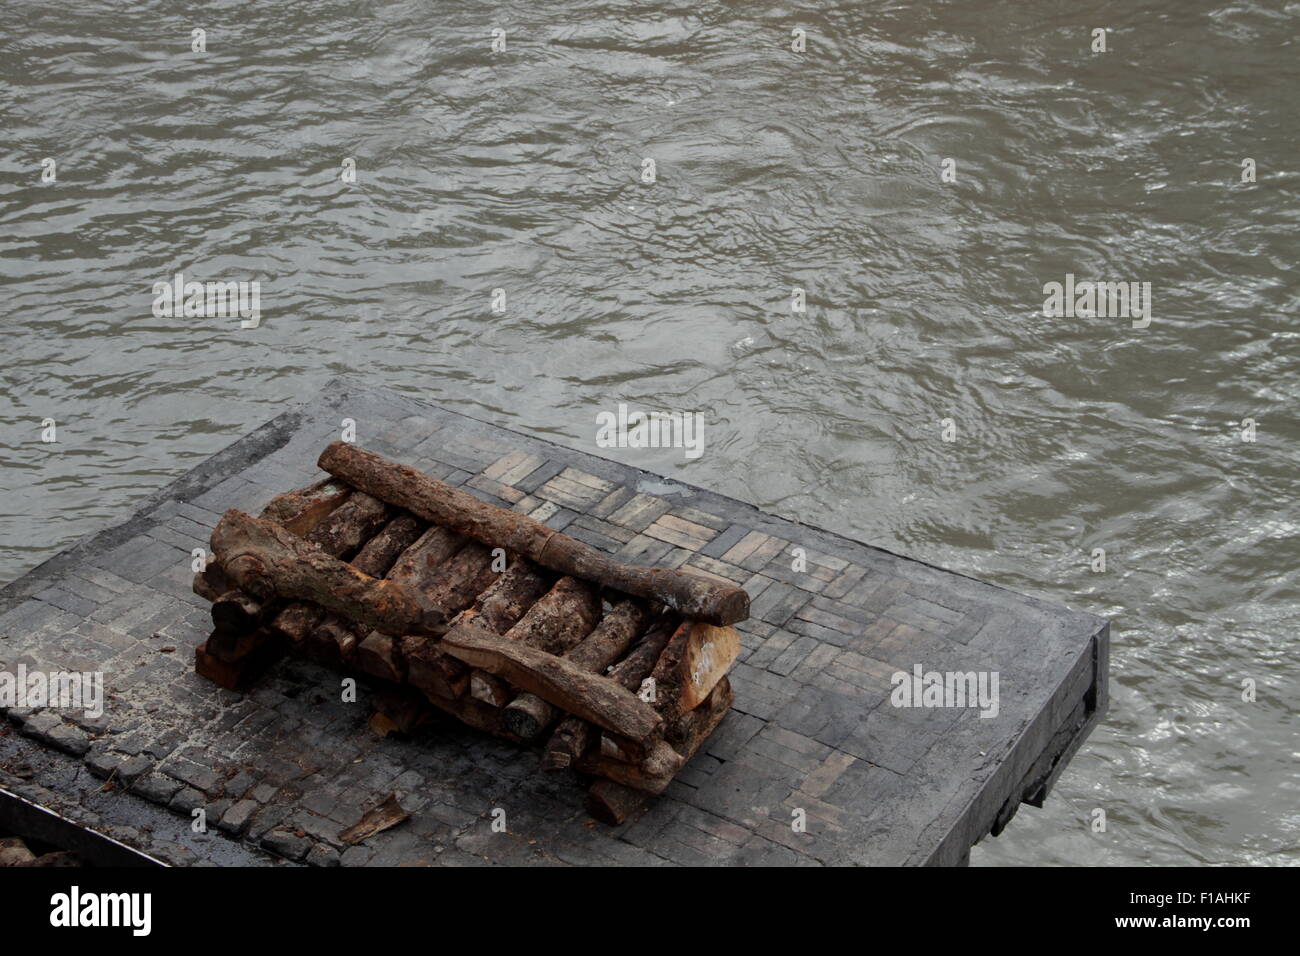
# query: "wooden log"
211, 583
652, 775
462, 579
378, 555
238, 620
333, 641
499, 608
528, 715
557, 617
338, 638
489, 689
239, 674
295, 620
379, 656
616, 748
695, 660
695, 727
573, 736
507, 599
473, 712
350, 525
454, 587
558, 620
430, 670
383, 654
339, 534
417, 564
237, 612
237, 625
300, 511
561, 618
612, 803
263, 559
664, 760
590, 696
691, 595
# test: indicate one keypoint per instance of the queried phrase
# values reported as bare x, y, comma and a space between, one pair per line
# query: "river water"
522, 170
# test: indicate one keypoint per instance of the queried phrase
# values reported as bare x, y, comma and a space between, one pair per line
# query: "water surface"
521, 171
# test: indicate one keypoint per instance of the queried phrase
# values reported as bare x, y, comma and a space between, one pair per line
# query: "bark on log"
265, 560
573, 736
462, 578
555, 623
350, 525
429, 669
454, 587
561, 618
338, 638
300, 511
418, 562
211, 583
589, 696
528, 715
436, 501
664, 762
652, 775
378, 555
339, 534
612, 803
379, 653
500, 607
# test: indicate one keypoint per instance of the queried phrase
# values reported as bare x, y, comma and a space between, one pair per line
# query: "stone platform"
280, 771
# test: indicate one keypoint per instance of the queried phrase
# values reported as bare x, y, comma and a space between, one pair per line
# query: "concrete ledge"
287, 766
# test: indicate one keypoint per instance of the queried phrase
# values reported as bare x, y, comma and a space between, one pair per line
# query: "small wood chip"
387, 814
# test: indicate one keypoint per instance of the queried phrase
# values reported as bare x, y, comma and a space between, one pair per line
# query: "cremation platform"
814, 764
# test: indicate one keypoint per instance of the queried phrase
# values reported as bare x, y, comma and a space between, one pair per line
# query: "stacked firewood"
617, 670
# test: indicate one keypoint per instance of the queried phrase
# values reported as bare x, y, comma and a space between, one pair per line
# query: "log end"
733, 606
527, 716
612, 803
556, 760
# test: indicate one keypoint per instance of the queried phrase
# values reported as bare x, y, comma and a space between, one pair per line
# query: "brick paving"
813, 735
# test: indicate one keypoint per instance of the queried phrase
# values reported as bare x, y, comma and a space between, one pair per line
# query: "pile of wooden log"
617, 670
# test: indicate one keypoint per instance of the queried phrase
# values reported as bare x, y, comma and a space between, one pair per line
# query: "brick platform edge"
287, 766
